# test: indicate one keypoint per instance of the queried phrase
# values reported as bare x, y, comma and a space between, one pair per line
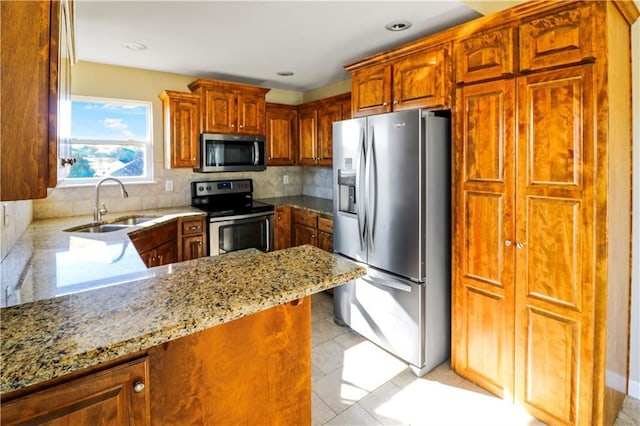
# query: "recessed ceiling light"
134, 46
285, 73
398, 25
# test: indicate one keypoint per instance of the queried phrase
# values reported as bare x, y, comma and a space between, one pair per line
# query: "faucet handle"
103, 210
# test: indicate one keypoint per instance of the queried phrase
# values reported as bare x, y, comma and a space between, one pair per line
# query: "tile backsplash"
79, 201
317, 182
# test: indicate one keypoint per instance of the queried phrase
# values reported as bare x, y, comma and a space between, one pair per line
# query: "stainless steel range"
236, 222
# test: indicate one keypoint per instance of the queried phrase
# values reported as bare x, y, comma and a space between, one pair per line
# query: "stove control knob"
201, 188
208, 188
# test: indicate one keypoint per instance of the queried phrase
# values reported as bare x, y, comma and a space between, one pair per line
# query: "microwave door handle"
256, 154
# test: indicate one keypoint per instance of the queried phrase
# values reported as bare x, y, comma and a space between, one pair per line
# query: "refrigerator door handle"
369, 185
360, 214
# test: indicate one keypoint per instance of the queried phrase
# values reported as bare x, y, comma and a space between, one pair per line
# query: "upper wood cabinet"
181, 115
564, 38
485, 56
417, 80
282, 134
36, 55
230, 108
315, 129
118, 395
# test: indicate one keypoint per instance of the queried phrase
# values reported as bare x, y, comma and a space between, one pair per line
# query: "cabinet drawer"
566, 37
192, 226
325, 224
305, 217
484, 56
153, 237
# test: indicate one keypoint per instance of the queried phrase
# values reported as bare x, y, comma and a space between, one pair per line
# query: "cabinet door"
250, 114
484, 56
282, 127
193, 247
181, 112
326, 116
303, 234
282, 238
100, 398
555, 248
371, 90
420, 80
219, 115
167, 253
345, 108
325, 241
560, 39
483, 236
307, 136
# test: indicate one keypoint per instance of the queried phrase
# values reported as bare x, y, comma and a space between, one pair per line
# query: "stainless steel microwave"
231, 153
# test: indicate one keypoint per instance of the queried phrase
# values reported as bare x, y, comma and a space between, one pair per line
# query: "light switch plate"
168, 185
285, 179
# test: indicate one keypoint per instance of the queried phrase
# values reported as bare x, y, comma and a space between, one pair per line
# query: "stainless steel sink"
98, 228
132, 221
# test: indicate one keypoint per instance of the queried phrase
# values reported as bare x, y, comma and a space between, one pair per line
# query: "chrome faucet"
99, 211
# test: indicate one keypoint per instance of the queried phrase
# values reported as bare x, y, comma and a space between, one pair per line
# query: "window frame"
147, 146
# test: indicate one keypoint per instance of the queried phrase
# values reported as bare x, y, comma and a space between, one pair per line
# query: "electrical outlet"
285, 179
5, 214
168, 185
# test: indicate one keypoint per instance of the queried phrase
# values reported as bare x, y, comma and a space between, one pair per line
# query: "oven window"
229, 153
243, 235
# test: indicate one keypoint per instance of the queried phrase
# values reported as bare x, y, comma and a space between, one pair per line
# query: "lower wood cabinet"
310, 228
282, 237
193, 238
117, 396
157, 245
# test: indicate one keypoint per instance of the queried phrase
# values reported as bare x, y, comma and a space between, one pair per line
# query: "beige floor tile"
324, 330
349, 339
320, 412
354, 416
630, 413
327, 356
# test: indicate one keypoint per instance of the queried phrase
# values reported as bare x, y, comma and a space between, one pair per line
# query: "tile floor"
356, 383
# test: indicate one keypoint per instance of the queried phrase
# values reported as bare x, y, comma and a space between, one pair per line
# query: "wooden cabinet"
118, 395
282, 237
37, 52
282, 134
564, 38
192, 239
230, 108
181, 115
418, 80
485, 56
157, 245
315, 129
310, 228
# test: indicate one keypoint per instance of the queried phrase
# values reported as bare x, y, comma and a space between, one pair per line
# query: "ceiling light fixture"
134, 46
285, 73
398, 25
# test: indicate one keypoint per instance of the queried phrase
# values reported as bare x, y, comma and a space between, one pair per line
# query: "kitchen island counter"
49, 338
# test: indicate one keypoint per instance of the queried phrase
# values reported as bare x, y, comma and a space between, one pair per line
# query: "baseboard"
634, 389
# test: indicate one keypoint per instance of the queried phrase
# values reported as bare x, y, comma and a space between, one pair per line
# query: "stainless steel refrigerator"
392, 215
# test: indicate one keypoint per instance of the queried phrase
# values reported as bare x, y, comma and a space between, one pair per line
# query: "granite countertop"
321, 206
139, 308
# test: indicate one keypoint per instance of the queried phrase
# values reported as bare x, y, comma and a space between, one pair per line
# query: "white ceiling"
250, 41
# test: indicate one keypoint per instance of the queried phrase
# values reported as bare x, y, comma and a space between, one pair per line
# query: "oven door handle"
266, 219
237, 217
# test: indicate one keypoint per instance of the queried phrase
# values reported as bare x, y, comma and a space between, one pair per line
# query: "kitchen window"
110, 137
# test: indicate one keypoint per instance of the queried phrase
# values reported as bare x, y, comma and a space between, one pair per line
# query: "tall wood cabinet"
541, 209
37, 53
181, 115
281, 135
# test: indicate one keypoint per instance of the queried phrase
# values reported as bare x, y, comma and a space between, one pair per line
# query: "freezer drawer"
386, 310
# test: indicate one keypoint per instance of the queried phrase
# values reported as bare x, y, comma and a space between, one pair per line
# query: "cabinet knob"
519, 245
279, 217
242, 126
233, 125
313, 236
384, 104
395, 102
138, 387
507, 243
69, 161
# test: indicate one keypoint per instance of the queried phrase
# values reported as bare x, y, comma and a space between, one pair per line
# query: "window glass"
110, 137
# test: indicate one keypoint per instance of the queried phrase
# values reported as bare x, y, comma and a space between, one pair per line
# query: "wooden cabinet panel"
106, 397
192, 239
563, 38
181, 113
192, 226
307, 134
305, 217
484, 233
193, 247
325, 224
219, 111
282, 138
371, 90
420, 80
282, 238
485, 56
251, 110
327, 115
303, 234
325, 241
555, 228
33, 79
157, 245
